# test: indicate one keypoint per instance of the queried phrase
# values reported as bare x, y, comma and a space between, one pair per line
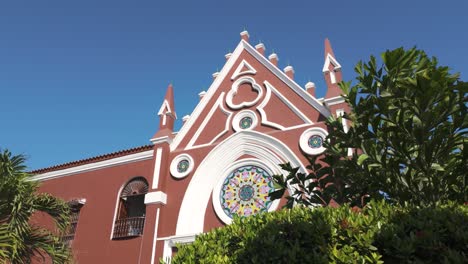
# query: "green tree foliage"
408, 137
337, 235
425, 235
20, 240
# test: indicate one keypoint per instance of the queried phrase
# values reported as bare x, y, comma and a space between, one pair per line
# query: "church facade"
135, 205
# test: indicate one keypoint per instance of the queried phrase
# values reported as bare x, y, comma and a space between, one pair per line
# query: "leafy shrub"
428, 235
296, 236
378, 233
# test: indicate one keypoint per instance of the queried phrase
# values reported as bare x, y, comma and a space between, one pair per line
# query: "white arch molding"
215, 166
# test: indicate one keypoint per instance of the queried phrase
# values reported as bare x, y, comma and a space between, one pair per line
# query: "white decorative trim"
172, 241
332, 77
155, 237
334, 100
288, 81
234, 89
167, 252
164, 105
219, 185
219, 103
238, 72
156, 198
344, 123
243, 45
340, 112
183, 239
201, 94
165, 139
268, 149
116, 209
304, 140
94, 166
175, 162
209, 94
81, 201
157, 168
238, 117
332, 60
263, 114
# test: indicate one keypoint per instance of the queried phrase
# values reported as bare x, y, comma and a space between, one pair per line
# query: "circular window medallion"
245, 191
315, 141
181, 166
244, 120
311, 140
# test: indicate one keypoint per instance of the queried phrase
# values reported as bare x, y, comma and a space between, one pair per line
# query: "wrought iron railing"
129, 227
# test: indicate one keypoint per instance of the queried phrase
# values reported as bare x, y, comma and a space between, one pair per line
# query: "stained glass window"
245, 122
183, 166
245, 191
315, 141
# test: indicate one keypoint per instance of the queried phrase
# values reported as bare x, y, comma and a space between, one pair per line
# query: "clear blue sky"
83, 78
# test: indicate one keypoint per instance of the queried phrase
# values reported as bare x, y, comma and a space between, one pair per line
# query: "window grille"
131, 211
75, 208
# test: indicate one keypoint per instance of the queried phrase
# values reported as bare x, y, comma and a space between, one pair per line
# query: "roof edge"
94, 159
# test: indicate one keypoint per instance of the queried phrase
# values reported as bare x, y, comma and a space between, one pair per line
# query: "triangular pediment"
274, 95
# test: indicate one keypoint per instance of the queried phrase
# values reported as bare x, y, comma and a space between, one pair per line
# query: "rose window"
245, 191
183, 166
245, 122
315, 141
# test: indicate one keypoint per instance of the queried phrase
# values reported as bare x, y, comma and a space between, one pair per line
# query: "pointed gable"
251, 84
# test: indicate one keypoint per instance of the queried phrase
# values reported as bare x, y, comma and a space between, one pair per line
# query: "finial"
245, 35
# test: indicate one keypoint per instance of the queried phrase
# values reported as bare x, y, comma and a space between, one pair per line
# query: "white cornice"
183, 239
156, 198
94, 166
165, 139
334, 100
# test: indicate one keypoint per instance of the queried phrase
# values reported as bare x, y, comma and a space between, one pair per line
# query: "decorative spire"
167, 114
328, 49
331, 71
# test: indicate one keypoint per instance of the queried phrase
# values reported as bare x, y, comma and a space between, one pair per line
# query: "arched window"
131, 210
75, 207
